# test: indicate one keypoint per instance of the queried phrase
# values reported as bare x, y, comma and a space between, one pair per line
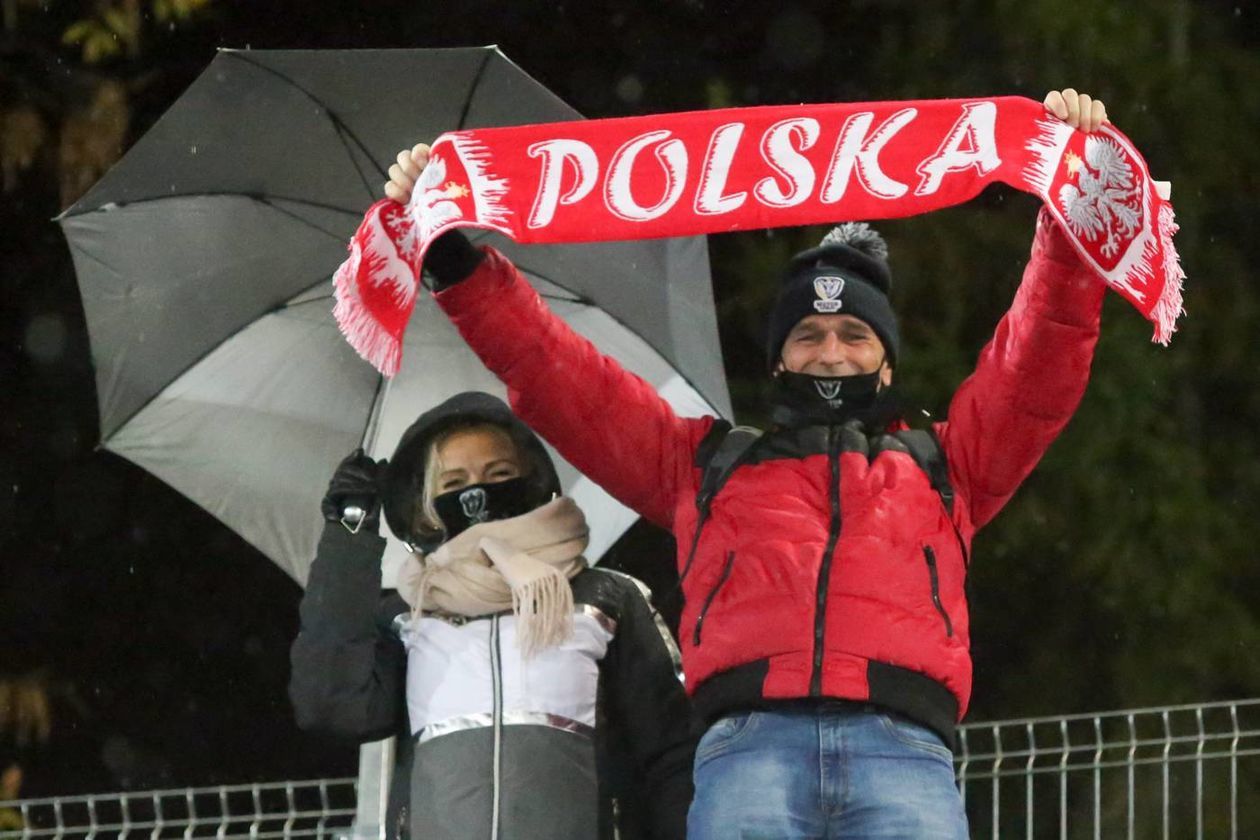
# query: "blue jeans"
848, 773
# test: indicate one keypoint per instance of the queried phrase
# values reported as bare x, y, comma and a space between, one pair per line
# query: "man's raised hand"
404, 174
1078, 110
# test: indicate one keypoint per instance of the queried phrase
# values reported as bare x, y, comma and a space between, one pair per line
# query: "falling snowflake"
1104, 200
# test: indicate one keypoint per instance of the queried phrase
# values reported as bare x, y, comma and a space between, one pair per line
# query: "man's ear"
885, 374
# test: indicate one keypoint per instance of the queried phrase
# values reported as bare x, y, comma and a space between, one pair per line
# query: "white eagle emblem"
431, 201
828, 289
1105, 201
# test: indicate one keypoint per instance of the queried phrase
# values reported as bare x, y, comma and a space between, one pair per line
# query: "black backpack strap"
721, 452
734, 447
926, 451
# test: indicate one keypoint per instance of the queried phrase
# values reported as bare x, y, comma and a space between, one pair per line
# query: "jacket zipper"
496, 681
701, 518
726, 572
695, 541
824, 571
930, 556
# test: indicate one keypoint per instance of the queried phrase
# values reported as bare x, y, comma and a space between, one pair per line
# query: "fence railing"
316, 809
1167, 772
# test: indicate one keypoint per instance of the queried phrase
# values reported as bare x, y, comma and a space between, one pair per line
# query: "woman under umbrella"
537, 697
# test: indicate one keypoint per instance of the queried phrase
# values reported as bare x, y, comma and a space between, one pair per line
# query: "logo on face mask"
828, 290
473, 502
829, 391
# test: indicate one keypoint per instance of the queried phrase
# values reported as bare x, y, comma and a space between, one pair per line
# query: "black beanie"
847, 274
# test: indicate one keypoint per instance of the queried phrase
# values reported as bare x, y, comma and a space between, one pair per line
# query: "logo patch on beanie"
828, 290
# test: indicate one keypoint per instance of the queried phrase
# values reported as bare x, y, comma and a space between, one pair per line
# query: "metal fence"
317, 809
1166, 772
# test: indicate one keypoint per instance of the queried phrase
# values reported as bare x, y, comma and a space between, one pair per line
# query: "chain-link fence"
1169, 772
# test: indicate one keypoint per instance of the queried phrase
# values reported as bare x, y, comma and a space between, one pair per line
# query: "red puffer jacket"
828, 566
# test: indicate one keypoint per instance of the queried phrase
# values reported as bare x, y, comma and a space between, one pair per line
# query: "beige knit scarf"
523, 563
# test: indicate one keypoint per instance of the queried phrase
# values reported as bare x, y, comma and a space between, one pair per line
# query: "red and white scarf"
746, 168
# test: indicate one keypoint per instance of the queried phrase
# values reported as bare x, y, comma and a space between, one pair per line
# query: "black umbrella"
204, 260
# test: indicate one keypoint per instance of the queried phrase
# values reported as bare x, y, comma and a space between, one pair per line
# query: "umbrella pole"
376, 759
376, 763
373, 428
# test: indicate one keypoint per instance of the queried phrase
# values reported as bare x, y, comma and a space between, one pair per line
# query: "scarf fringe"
1046, 149
377, 276
544, 611
1169, 307
365, 334
523, 564
489, 190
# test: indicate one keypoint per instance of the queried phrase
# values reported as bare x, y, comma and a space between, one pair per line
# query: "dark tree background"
142, 643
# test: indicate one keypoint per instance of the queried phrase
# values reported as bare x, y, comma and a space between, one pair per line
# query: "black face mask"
460, 509
801, 399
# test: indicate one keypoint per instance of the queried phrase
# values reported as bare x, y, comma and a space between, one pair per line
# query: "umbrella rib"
269, 200
297, 218
581, 300
79, 249
577, 298
343, 130
265, 198
472, 90
296, 303
280, 307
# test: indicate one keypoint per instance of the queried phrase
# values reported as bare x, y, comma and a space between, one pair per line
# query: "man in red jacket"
825, 628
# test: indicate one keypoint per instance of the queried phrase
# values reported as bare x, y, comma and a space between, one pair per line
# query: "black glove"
451, 258
355, 484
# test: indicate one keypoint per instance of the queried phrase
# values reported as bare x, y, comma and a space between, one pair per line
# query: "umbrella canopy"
204, 260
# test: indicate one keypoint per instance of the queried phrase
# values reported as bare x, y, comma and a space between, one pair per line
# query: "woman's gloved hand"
354, 493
